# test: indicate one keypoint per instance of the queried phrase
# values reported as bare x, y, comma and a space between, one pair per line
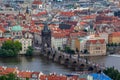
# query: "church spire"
27, 10
46, 29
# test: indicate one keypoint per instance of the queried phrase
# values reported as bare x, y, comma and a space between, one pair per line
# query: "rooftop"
16, 28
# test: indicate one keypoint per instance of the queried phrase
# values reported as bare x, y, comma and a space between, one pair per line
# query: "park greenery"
69, 50
29, 51
10, 48
113, 44
112, 73
11, 76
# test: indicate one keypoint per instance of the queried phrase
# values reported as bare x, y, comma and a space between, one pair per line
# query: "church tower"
46, 37
28, 15
91, 29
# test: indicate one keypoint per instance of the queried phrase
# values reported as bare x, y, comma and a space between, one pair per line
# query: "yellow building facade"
114, 38
96, 47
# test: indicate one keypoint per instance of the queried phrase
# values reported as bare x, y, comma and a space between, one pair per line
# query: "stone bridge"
69, 61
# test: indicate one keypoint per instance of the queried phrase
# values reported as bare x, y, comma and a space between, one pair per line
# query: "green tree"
77, 50
67, 49
118, 44
9, 76
59, 48
29, 51
27, 78
112, 73
17, 46
10, 48
85, 51
115, 44
12, 76
118, 77
3, 77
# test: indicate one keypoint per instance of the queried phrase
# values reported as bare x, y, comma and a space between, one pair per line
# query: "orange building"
114, 37
96, 47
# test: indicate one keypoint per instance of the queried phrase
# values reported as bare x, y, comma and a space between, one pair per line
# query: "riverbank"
51, 76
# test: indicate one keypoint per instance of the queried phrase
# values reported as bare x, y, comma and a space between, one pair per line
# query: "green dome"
16, 28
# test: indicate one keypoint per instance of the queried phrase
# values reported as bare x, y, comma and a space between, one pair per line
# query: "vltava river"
48, 66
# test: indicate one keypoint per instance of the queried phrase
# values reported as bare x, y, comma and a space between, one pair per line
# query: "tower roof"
27, 10
46, 29
91, 25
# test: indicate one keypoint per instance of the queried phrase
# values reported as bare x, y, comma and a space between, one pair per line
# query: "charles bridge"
73, 62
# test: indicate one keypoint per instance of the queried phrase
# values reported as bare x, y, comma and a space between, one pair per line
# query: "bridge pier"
70, 62
50, 57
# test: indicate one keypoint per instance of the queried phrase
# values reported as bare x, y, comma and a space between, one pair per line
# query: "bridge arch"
81, 67
66, 62
90, 68
74, 65
48, 53
54, 56
59, 58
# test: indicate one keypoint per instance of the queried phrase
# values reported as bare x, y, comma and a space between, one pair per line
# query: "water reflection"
46, 66
34, 64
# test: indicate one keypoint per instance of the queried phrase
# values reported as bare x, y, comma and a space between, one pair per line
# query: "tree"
17, 46
85, 51
10, 48
118, 44
67, 49
59, 48
77, 50
118, 77
9, 76
112, 73
29, 51
112, 44
115, 44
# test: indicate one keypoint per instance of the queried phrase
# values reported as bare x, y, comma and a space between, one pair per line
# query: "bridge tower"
46, 37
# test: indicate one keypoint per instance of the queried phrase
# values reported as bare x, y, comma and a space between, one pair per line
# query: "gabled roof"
37, 2
59, 35
102, 41
69, 13
24, 74
2, 29
10, 70
115, 34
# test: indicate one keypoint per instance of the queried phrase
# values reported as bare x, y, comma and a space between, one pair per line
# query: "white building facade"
58, 42
25, 44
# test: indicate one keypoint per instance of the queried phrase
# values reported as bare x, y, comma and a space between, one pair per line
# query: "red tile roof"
2, 29
69, 13
52, 77
76, 34
59, 35
10, 70
33, 30
102, 41
37, 2
42, 13
24, 74
115, 34
4, 39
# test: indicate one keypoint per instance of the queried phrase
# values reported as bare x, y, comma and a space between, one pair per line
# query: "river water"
48, 66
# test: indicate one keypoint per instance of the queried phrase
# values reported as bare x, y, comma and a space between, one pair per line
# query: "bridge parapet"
68, 60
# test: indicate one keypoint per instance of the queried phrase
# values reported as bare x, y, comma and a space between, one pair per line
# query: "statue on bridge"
46, 37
